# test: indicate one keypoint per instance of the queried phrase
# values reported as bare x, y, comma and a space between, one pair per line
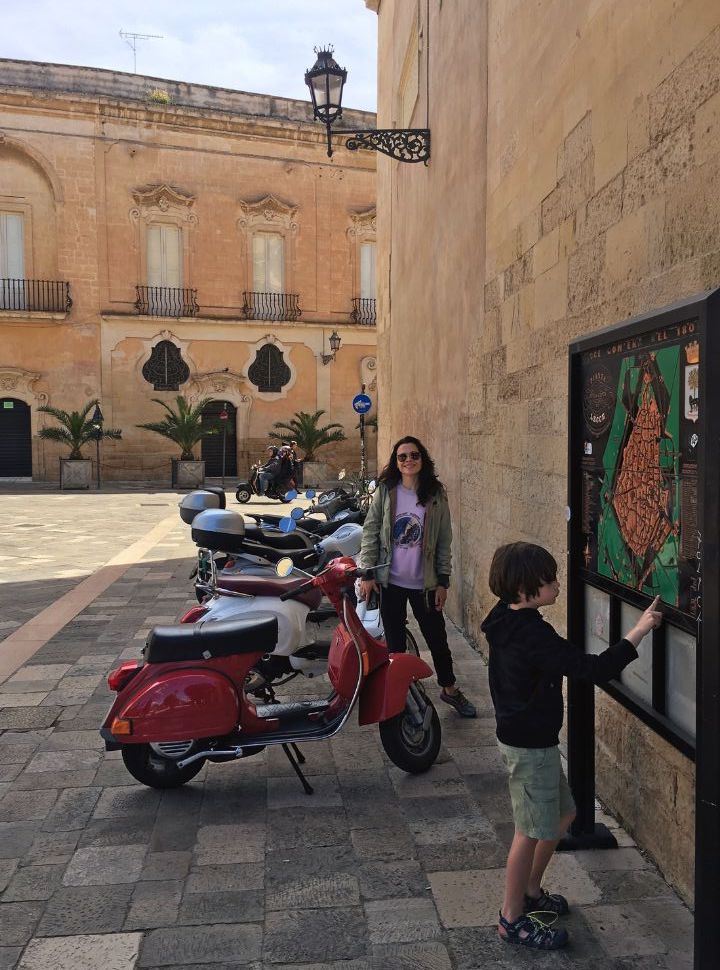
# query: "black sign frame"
705, 309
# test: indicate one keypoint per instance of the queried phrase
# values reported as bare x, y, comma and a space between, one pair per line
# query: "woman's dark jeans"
393, 610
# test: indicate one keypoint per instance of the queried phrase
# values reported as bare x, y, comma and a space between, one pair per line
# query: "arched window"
165, 369
269, 372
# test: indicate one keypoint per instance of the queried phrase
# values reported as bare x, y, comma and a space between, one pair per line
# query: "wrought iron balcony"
40, 296
363, 310
166, 301
271, 306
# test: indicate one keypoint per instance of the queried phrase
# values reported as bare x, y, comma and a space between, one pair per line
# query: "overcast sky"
263, 46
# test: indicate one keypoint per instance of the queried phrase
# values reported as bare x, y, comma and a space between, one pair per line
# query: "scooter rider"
270, 471
408, 523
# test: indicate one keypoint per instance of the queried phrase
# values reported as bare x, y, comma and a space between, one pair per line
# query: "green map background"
664, 577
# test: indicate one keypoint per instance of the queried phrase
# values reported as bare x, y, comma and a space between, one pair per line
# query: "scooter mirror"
297, 514
291, 495
341, 474
287, 524
284, 567
310, 493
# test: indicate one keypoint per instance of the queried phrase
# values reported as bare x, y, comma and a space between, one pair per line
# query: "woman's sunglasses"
411, 455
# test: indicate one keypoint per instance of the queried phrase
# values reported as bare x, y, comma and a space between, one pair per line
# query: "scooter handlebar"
296, 592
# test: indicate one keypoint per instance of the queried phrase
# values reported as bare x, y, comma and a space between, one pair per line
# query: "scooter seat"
270, 586
202, 641
277, 540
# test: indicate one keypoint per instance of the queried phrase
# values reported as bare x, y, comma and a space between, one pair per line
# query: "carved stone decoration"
225, 384
162, 199
268, 211
363, 223
22, 384
368, 373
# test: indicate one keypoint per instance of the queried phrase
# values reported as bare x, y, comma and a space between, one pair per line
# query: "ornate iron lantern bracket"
400, 144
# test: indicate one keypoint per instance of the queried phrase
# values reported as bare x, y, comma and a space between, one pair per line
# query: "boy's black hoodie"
528, 661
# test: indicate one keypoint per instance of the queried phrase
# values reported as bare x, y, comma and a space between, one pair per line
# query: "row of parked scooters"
269, 592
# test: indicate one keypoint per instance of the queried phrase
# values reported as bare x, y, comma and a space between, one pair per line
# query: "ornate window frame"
362, 229
286, 350
147, 346
268, 214
163, 205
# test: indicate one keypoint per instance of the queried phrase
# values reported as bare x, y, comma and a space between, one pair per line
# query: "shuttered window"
367, 271
164, 256
12, 255
268, 262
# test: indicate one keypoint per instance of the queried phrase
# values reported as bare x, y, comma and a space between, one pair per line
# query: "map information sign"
640, 402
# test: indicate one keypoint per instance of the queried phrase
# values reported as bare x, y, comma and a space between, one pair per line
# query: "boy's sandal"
532, 932
547, 903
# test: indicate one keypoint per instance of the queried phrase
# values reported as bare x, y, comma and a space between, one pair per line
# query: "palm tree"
303, 428
183, 426
76, 428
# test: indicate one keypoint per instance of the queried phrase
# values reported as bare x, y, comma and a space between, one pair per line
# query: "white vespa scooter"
304, 626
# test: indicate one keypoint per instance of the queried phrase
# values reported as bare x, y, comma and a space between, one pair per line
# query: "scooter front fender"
178, 705
385, 690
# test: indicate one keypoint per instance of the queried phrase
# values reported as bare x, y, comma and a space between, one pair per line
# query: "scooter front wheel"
409, 745
150, 768
243, 494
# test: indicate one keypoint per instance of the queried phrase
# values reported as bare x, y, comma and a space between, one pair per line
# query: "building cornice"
373, 5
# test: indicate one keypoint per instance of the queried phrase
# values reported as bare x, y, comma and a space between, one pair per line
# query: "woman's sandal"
532, 932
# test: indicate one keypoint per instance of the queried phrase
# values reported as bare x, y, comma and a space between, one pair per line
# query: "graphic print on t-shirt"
407, 531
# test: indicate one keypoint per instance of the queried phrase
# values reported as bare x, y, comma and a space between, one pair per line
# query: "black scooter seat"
202, 641
277, 540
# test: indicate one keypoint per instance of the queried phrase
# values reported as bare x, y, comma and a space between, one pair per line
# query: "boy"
528, 661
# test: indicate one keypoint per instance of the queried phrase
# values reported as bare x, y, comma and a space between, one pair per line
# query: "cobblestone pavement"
376, 871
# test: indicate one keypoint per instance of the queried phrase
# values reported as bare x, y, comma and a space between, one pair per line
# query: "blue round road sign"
361, 404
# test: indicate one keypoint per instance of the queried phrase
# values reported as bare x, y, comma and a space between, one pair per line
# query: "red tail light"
194, 614
122, 674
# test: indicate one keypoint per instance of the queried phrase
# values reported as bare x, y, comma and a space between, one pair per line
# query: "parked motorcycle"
279, 489
186, 703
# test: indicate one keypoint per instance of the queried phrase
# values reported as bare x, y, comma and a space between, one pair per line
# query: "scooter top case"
199, 501
219, 529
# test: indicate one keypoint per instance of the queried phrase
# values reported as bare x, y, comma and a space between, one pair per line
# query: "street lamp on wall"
326, 80
334, 340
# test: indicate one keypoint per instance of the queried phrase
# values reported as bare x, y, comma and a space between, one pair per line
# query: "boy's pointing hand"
651, 618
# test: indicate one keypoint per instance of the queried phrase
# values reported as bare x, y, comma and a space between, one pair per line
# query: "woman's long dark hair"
428, 482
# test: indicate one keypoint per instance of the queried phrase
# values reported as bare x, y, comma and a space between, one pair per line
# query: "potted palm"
183, 425
305, 428
76, 430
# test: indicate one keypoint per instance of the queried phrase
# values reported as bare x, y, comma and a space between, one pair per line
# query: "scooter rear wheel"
155, 771
243, 495
409, 746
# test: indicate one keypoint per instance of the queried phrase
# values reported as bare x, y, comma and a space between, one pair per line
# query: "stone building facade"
573, 183
160, 238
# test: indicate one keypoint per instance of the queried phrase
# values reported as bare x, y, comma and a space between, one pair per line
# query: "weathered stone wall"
81, 154
600, 182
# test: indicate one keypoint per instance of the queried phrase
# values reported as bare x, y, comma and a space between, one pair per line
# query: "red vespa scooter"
186, 703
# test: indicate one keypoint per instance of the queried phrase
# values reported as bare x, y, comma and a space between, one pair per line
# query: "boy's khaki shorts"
539, 790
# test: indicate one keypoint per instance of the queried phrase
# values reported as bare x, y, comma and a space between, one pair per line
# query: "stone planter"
75, 472
188, 474
315, 473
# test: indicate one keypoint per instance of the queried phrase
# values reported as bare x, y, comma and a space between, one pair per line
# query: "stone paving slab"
240, 869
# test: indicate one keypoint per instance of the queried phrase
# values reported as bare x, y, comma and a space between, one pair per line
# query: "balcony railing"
271, 306
363, 310
40, 296
166, 301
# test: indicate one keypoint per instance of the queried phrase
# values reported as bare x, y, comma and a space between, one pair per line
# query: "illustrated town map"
641, 432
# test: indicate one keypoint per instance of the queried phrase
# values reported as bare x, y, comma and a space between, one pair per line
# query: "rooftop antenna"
131, 40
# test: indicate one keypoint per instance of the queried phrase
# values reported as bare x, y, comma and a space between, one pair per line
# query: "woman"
408, 526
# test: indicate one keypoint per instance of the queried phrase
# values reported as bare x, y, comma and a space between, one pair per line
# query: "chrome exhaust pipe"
213, 752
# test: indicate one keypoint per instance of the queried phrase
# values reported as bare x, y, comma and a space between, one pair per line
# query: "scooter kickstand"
296, 768
298, 754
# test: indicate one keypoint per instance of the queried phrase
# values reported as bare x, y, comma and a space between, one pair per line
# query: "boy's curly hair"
520, 567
